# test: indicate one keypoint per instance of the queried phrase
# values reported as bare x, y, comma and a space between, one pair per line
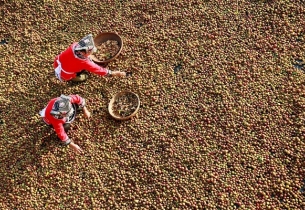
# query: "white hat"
86, 43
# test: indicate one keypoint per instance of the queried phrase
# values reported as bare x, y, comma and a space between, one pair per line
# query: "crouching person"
60, 113
73, 63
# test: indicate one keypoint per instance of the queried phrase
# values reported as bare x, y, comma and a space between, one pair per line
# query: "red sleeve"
76, 99
96, 69
60, 131
55, 64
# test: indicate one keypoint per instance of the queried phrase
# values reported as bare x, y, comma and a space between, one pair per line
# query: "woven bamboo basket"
115, 114
104, 37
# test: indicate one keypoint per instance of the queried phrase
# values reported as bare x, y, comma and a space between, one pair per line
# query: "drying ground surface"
221, 123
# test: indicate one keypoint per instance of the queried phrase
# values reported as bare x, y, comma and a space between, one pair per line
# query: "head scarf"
62, 106
86, 43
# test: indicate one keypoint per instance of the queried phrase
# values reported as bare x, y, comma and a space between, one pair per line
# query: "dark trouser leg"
67, 127
81, 72
81, 76
78, 109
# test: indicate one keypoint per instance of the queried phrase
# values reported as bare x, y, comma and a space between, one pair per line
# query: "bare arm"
76, 148
86, 112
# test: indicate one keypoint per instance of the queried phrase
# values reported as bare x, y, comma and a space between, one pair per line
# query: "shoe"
80, 78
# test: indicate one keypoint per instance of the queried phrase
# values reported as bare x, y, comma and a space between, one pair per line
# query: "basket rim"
120, 46
115, 97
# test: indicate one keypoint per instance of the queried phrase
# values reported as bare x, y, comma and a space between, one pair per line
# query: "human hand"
76, 148
118, 74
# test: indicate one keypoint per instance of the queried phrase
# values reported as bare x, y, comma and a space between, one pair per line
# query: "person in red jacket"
60, 112
72, 63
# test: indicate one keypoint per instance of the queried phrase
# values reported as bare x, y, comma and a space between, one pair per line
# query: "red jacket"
71, 64
58, 123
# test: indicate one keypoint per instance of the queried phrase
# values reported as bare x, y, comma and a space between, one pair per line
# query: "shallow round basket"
104, 37
116, 115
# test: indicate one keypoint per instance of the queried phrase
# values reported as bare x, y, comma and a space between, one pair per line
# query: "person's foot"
80, 78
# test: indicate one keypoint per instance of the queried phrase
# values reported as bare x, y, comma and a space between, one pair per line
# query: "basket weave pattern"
114, 98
